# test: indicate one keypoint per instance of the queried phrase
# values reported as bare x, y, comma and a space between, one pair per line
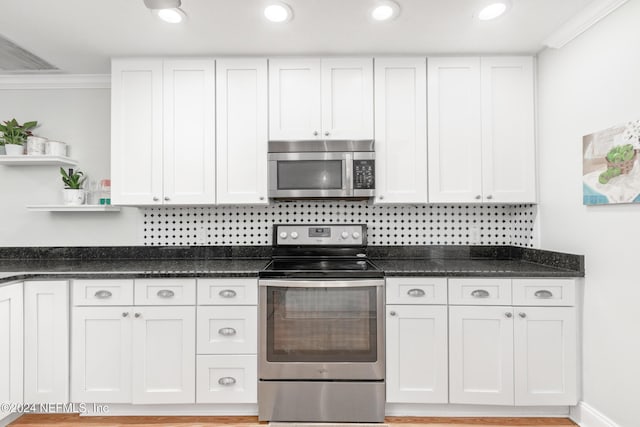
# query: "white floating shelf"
72, 208
37, 161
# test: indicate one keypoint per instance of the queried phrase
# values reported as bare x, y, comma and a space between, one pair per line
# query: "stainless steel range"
321, 333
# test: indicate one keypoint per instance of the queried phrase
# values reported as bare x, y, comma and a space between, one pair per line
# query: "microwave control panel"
364, 174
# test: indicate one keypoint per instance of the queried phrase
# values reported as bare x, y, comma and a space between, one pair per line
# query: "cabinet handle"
543, 293
489, 197
227, 293
315, 133
166, 293
478, 197
392, 313
227, 381
227, 332
103, 294
508, 315
261, 197
522, 315
381, 197
125, 314
166, 199
480, 293
415, 293
138, 315
155, 199
326, 134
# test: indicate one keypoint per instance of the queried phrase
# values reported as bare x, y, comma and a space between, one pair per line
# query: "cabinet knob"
125, 314
138, 315
392, 313
227, 381
478, 197
155, 199
227, 332
489, 197
315, 133
326, 134
261, 197
227, 293
508, 315
166, 199
522, 315
380, 197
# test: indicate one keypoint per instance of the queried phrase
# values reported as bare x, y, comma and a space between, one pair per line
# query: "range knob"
283, 235
294, 235
356, 235
344, 235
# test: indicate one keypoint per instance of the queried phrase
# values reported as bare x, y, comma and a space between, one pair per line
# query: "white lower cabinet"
11, 345
46, 343
227, 378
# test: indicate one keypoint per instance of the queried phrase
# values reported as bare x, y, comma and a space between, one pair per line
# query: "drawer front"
227, 379
228, 291
102, 292
227, 330
544, 292
480, 291
165, 292
416, 290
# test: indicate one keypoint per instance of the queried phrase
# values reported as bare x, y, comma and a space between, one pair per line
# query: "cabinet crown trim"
55, 81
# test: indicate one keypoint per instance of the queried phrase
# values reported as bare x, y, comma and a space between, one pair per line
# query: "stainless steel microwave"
321, 169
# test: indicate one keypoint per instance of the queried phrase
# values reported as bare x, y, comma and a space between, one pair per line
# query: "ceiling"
79, 36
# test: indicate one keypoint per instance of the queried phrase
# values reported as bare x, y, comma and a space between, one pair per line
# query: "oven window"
310, 175
321, 324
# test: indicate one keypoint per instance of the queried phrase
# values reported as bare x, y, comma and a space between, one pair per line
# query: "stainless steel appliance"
321, 327
321, 169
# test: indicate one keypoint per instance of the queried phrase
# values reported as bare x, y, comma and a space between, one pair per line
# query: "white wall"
81, 118
591, 84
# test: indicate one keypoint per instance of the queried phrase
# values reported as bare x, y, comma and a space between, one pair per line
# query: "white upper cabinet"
242, 131
481, 130
163, 137
401, 130
320, 98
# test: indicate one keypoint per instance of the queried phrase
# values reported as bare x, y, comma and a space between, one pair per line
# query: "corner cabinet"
481, 130
11, 345
242, 131
163, 132
313, 98
401, 130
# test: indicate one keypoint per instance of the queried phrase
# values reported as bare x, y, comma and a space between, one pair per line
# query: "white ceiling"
79, 36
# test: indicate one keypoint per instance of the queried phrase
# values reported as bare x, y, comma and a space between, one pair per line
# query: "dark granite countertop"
148, 262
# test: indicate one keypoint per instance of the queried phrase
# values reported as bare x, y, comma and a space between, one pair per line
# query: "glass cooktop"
327, 267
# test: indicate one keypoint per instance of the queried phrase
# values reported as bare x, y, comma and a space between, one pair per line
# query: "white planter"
2, 151
72, 196
14, 150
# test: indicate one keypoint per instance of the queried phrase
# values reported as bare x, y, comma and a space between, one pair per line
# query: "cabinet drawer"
227, 330
480, 291
227, 379
165, 292
228, 291
544, 292
102, 292
416, 290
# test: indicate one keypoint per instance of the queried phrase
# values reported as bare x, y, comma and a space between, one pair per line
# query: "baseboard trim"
9, 419
586, 415
114, 410
455, 410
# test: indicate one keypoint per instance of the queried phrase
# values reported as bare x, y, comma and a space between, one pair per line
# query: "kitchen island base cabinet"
11, 345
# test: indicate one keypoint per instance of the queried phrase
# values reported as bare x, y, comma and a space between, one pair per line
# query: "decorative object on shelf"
73, 193
609, 171
105, 192
14, 136
36, 146
56, 148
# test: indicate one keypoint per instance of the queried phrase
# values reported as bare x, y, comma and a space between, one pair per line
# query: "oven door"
310, 174
321, 330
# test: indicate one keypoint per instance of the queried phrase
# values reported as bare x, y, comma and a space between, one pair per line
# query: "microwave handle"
347, 177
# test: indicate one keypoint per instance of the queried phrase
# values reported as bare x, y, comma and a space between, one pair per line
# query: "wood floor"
67, 420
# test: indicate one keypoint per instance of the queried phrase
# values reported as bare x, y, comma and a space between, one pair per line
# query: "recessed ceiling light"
385, 10
167, 10
493, 10
278, 12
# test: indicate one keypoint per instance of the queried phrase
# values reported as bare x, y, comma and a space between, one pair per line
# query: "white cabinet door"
455, 130
242, 134
347, 98
11, 345
164, 344
46, 343
401, 130
481, 355
294, 99
136, 132
545, 356
417, 354
508, 156
101, 354
189, 132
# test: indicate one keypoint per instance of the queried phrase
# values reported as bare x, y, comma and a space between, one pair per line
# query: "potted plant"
14, 135
73, 193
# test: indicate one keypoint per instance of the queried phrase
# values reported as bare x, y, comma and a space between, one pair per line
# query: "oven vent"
14, 58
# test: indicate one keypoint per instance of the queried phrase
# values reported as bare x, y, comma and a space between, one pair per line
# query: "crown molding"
54, 81
581, 22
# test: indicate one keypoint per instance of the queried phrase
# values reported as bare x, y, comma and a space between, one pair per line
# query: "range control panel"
364, 174
320, 235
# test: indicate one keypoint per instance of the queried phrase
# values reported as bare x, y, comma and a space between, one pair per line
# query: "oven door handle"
321, 283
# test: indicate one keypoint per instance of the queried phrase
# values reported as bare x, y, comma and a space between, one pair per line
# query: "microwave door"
310, 175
